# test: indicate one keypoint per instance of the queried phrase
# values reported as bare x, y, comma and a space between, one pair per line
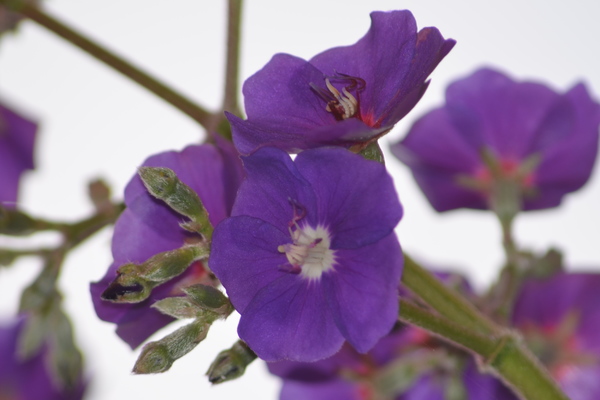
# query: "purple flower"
543, 142
148, 226
349, 375
561, 330
17, 137
309, 257
344, 96
29, 379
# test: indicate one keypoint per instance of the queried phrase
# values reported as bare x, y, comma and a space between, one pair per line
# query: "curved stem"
160, 89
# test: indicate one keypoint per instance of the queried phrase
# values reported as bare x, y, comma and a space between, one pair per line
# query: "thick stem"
443, 299
177, 100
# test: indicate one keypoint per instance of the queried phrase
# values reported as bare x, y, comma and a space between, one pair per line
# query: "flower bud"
134, 282
230, 364
163, 184
169, 264
158, 356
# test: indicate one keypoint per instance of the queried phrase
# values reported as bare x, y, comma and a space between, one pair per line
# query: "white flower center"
309, 254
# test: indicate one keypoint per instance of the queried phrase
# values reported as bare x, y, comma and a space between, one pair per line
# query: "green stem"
230, 101
177, 100
457, 334
504, 353
443, 299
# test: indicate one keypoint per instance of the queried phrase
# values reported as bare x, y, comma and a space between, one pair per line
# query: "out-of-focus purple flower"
344, 96
515, 123
559, 319
17, 137
562, 330
401, 356
309, 257
148, 226
29, 379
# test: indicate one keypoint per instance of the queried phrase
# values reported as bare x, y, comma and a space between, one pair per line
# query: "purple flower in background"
559, 319
344, 96
309, 257
563, 330
28, 379
402, 357
17, 137
148, 226
542, 141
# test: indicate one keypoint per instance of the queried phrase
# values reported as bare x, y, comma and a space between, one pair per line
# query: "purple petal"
568, 156
431, 48
288, 320
250, 135
427, 387
322, 370
491, 110
437, 153
539, 305
281, 92
17, 138
363, 291
273, 183
382, 58
336, 389
480, 386
244, 257
356, 198
582, 383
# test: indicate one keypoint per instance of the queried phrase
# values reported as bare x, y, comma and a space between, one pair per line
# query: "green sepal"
201, 302
231, 363
178, 307
66, 361
164, 184
157, 357
209, 298
32, 337
165, 266
373, 152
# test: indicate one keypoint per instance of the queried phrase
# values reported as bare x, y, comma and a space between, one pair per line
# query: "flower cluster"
304, 245
148, 226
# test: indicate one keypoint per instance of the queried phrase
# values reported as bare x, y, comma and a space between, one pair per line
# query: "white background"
96, 123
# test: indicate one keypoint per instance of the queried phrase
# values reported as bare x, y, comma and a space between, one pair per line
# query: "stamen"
342, 105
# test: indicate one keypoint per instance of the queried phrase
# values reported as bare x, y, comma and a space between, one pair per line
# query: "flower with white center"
309, 257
